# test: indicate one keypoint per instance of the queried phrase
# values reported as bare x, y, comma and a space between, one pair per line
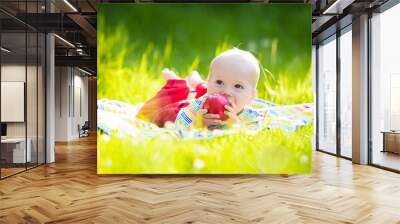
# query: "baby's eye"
238, 86
219, 82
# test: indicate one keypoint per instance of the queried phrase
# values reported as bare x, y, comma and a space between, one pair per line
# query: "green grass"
133, 50
269, 151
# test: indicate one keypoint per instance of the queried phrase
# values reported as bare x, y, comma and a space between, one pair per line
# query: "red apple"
215, 104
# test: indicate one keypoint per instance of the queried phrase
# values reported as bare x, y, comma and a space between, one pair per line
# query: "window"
346, 92
327, 95
385, 88
22, 79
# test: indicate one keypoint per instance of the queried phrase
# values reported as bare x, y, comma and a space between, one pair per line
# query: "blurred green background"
136, 41
145, 38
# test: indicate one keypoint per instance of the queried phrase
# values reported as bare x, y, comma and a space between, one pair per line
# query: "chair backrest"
86, 125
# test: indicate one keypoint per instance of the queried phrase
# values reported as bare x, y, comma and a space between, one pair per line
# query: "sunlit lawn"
269, 151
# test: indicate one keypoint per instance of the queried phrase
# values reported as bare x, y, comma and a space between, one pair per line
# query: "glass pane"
346, 94
31, 97
31, 87
386, 89
13, 86
41, 99
327, 96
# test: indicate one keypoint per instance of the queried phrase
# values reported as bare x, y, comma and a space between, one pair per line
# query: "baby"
233, 73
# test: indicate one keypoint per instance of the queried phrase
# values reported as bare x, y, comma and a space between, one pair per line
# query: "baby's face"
235, 81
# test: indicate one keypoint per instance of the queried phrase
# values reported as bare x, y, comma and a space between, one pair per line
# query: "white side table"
19, 155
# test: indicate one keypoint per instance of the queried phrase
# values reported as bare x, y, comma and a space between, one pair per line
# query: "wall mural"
204, 89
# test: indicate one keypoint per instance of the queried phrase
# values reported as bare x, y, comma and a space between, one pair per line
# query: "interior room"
23, 96
384, 88
49, 153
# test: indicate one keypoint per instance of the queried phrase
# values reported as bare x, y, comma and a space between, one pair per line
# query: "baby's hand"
209, 119
230, 112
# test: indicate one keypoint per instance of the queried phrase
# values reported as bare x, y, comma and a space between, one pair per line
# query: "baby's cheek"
242, 102
210, 90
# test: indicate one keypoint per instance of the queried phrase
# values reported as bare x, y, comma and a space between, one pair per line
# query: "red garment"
165, 105
201, 89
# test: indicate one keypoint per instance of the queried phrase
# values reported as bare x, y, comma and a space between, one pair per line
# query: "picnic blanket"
118, 117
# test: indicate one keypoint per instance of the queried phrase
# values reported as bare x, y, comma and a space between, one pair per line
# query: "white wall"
71, 102
62, 81
80, 110
33, 127
12, 73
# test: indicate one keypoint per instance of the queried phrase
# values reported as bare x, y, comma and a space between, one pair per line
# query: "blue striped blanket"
120, 118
